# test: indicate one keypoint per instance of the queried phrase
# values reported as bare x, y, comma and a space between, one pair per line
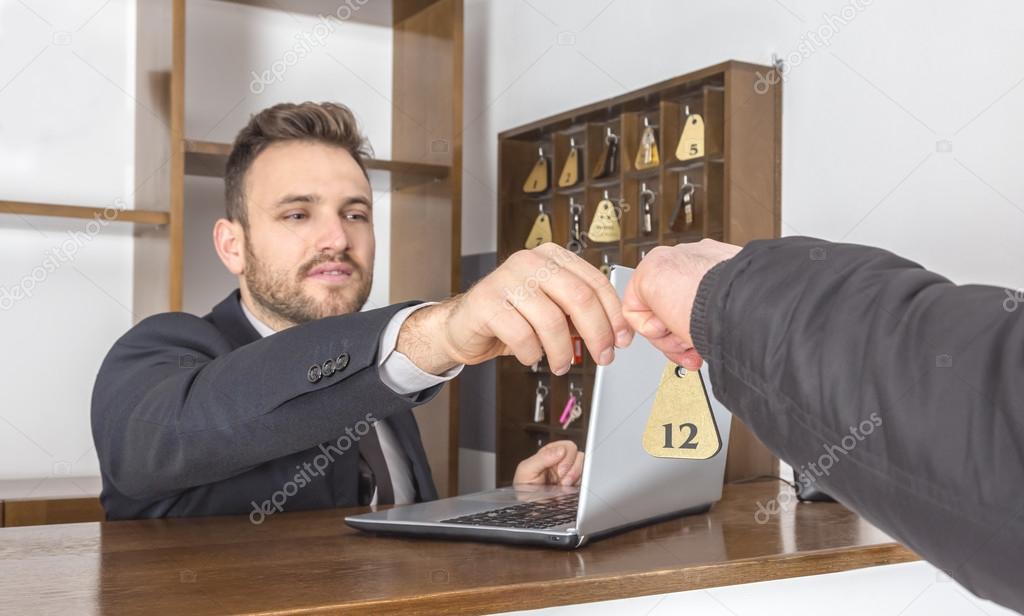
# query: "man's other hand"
660, 295
558, 463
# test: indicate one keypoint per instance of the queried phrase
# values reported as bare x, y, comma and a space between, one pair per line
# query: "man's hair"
328, 123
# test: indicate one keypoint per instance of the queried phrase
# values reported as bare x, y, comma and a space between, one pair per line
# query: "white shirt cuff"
399, 372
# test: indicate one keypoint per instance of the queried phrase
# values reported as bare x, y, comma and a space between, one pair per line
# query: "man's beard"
282, 294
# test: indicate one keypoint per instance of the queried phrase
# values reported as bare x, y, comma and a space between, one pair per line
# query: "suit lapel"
229, 319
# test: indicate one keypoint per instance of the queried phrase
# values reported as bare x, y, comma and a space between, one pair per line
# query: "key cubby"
736, 191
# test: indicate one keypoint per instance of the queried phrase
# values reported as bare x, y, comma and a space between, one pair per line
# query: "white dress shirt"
404, 377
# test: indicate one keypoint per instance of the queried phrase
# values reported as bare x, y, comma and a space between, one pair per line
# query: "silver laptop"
622, 485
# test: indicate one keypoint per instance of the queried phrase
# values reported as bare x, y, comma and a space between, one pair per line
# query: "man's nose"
332, 236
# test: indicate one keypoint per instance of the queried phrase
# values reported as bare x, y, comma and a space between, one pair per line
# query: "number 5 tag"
681, 424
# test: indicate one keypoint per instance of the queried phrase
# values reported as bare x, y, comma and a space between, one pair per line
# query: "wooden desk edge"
537, 595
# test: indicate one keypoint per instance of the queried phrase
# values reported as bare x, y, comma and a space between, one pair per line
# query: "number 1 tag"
681, 424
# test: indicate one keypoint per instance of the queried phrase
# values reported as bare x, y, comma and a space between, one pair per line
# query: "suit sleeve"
174, 407
900, 392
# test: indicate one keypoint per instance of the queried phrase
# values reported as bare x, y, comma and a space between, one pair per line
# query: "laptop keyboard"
538, 514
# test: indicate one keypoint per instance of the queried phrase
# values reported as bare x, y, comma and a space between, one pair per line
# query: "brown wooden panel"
37, 512
80, 211
311, 562
151, 286
426, 222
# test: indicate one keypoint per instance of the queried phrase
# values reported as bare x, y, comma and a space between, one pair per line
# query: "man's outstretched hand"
659, 299
526, 308
559, 463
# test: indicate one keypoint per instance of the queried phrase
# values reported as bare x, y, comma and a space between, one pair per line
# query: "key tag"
537, 181
573, 167
605, 227
647, 155
577, 350
575, 243
691, 142
573, 407
538, 402
540, 233
681, 424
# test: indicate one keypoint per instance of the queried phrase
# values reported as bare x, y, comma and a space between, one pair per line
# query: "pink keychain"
568, 409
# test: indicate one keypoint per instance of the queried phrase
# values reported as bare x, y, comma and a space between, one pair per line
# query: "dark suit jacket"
200, 416
844, 355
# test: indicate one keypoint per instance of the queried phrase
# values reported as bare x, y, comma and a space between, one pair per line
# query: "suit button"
314, 374
328, 367
341, 363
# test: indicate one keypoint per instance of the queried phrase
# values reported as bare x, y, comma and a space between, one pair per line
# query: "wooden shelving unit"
424, 178
737, 199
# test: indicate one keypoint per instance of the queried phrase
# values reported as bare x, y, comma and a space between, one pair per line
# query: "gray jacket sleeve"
174, 406
900, 392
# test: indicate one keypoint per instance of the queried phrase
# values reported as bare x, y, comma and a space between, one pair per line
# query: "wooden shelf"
208, 158
149, 217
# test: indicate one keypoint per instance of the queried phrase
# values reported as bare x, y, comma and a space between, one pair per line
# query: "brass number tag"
691, 142
681, 424
537, 181
605, 227
570, 170
540, 233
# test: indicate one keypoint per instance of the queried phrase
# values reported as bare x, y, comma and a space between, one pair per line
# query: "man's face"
309, 247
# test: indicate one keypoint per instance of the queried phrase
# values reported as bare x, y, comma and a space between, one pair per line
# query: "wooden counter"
311, 562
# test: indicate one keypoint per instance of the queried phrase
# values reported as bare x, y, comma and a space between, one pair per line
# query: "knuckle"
582, 295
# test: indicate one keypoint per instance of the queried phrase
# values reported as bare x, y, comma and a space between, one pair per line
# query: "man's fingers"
516, 333
551, 327
536, 467
691, 360
605, 294
575, 472
580, 301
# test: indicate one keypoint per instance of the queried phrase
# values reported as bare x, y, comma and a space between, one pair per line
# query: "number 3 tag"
681, 424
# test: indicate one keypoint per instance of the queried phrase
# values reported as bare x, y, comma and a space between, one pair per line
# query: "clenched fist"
660, 295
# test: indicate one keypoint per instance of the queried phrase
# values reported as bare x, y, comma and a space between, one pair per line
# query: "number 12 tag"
681, 424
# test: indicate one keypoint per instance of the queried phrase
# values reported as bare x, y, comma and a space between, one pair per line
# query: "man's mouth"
331, 272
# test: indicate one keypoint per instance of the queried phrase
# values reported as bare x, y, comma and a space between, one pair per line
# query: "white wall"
67, 114
66, 136
862, 115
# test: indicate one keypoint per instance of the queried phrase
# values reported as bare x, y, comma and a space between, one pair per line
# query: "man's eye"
357, 216
295, 216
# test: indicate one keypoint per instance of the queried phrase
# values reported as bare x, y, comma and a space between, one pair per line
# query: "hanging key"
647, 198
575, 243
538, 402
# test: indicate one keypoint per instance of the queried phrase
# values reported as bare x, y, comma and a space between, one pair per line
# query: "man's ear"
229, 242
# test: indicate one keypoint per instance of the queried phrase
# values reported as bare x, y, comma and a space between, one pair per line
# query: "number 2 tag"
681, 424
